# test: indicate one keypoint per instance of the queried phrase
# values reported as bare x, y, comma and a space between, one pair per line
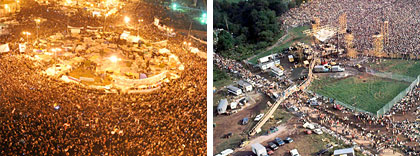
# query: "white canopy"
4, 48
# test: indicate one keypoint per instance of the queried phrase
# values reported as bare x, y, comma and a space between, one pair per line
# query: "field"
403, 67
366, 92
294, 35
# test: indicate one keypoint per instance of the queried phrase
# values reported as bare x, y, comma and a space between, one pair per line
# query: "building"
8, 7
344, 152
221, 108
276, 72
234, 90
247, 87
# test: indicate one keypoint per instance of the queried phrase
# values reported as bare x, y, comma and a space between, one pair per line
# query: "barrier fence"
397, 98
390, 75
385, 108
340, 103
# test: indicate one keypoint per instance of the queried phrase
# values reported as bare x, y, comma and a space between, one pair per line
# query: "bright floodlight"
113, 59
174, 6
126, 19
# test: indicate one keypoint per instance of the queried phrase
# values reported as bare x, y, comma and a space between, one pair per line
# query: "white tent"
4, 48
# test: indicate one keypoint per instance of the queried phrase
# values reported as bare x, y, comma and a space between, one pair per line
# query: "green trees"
247, 25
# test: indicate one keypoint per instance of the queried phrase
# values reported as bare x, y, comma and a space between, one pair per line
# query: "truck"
321, 69
259, 149
291, 58
337, 69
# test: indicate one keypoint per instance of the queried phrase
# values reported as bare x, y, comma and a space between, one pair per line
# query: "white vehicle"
234, 90
294, 152
258, 117
309, 126
320, 69
337, 69
318, 131
259, 149
225, 152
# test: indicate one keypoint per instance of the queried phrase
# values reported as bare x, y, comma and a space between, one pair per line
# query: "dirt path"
278, 42
282, 129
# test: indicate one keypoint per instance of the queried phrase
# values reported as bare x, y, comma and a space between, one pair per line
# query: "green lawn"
403, 67
368, 93
233, 142
294, 35
221, 78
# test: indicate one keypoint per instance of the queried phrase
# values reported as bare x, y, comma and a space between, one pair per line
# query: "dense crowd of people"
44, 116
364, 19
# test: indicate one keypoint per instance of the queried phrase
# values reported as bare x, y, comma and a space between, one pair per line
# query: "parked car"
279, 141
338, 107
273, 146
321, 152
269, 151
227, 135
294, 152
259, 117
288, 140
308, 126
273, 129
318, 131
245, 121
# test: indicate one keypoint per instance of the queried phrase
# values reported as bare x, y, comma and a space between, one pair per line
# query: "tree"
225, 41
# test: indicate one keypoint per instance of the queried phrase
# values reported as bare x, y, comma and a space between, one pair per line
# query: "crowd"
44, 116
364, 19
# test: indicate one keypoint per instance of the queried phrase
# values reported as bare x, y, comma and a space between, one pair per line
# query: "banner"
22, 47
156, 22
4, 48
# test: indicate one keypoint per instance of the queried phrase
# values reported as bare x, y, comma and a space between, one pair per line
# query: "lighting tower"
378, 46
342, 21
384, 32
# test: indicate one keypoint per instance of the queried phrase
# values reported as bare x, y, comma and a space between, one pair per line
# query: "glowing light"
26, 33
114, 59
126, 19
174, 6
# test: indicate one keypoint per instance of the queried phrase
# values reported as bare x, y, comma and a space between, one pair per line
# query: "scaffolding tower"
342, 21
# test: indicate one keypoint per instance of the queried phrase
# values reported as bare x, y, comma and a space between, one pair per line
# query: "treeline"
248, 26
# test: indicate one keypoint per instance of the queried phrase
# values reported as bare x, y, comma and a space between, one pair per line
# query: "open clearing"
294, 35
366, 92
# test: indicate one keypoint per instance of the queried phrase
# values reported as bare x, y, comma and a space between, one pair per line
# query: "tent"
4, 48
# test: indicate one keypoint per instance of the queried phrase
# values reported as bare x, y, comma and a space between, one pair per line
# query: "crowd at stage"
364, 19
44, 116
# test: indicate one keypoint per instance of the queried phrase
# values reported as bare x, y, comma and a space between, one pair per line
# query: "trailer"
337, 69
221, 108
234, 90
259, 149
321, 69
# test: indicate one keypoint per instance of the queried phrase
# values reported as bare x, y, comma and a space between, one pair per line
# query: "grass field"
294, 35
221, 78
368, 92
403, 67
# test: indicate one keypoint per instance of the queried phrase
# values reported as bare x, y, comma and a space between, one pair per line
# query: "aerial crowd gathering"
375, 132
364, 19
46, 116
